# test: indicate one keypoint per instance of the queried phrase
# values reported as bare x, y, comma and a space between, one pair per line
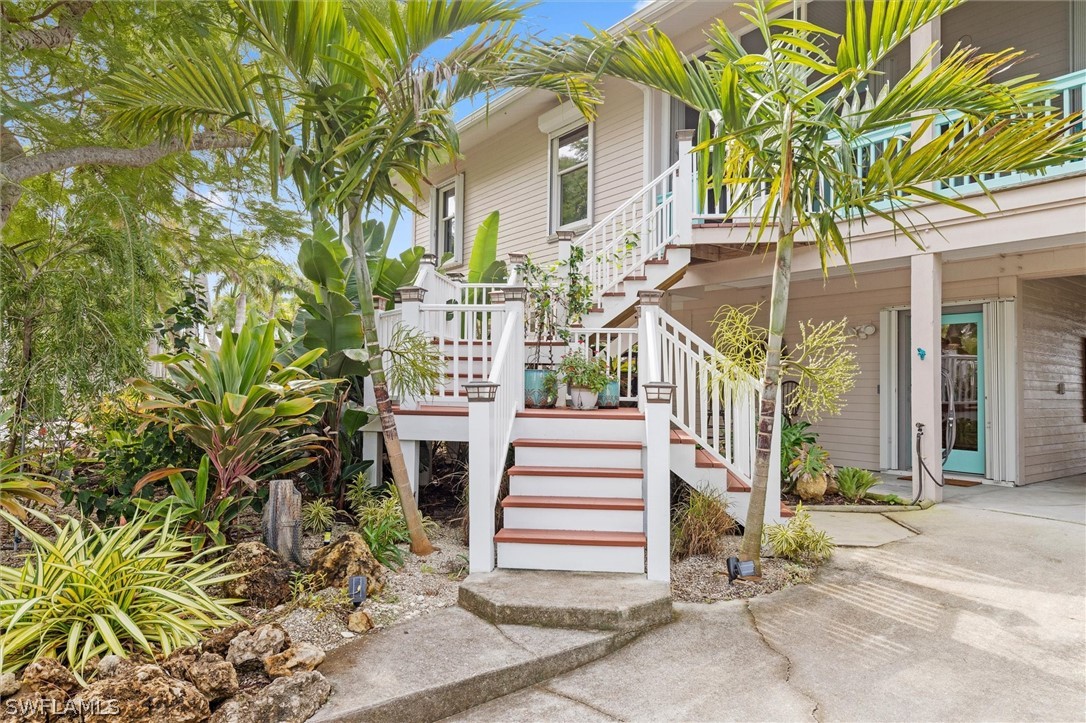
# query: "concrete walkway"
981, 616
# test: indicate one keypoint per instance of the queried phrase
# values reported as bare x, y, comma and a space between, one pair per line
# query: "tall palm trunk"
751, 547
420, 544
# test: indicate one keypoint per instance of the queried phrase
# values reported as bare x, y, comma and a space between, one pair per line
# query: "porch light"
658, 392
396, 297
356, 589
515, 293
429, 259
380, 303
497, 296
455, 275
517, 259
649, 297
737, 569
481, 391
410, 294
564, 235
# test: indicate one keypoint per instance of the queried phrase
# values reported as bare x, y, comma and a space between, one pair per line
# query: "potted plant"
541, 327
811, 472
585, 377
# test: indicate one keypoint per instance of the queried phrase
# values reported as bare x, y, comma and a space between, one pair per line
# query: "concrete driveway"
981, 616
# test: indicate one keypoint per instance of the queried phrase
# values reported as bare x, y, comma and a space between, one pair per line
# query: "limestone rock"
359, 621
344, 558
292, 699
219, 642
302, 657
811, 488
262, 642
9, 685
47, 673
209, 672
265, 578
145, 693
43, 695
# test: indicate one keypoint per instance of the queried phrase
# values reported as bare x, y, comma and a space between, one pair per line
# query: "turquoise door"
963, 391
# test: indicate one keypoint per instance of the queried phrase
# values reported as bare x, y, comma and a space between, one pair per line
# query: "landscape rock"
209, 672
110, 665
144, 693
47, 675
257, 644
811, 488
348, 556
292, 699
265, 578
359, 621
219, 642
9, 685
302, 657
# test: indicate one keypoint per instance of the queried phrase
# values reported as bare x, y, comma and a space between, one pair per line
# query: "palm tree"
780, 128
350, 100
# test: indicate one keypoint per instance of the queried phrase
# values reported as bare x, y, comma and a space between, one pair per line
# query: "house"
982, 331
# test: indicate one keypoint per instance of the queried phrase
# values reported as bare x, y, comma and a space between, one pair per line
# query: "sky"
548, 19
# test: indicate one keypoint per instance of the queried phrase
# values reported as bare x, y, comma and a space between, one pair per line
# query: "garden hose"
923, 466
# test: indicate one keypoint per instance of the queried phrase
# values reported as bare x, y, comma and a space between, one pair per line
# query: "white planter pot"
582, 398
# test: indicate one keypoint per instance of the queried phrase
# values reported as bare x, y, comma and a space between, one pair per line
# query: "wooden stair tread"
636, 277
680, 437
558, 413
735, 484
520, 470
571, 537
702, 458
577, 443
787, 511
434, 410
633, 504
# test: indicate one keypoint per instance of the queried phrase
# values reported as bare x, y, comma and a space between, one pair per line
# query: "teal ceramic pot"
608, 398
540, 388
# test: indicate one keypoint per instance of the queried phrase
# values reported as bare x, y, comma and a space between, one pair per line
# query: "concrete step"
612, 514
572, 550
448, 661
591, 601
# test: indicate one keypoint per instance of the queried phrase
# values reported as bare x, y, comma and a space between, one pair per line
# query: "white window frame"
437, 218
553, 190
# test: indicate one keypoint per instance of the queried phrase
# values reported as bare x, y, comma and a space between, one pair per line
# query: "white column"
683, 189
657, 405
411, 298
514, 299
926, 371
480, 480
648, 301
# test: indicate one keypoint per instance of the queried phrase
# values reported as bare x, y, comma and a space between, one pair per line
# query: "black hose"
923, 466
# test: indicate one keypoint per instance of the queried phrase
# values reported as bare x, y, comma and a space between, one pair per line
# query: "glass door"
963, 392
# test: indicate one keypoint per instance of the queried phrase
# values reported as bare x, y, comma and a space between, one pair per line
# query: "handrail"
507, 371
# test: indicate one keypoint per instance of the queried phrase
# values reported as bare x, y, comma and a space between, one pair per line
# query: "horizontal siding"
1053, 316
1041, 28
510, 175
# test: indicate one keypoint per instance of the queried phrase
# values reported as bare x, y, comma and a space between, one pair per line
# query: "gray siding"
1053, 317
1041, 28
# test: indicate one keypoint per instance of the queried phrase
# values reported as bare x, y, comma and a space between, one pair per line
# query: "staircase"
588, 491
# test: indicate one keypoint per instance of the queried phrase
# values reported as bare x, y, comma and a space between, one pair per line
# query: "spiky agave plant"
93, 591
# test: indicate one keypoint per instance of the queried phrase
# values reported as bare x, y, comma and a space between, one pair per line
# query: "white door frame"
1000, 387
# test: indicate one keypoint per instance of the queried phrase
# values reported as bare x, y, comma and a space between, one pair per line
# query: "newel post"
411, 298
648, 302
483, 478
657, 397
514, 300
683, 190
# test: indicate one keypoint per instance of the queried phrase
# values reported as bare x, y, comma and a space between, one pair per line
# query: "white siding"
510, 174
1053, 316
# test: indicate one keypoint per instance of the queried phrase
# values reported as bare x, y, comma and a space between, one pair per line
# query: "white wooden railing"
490, 432
714, 401
465, 335
635, 232
619, 348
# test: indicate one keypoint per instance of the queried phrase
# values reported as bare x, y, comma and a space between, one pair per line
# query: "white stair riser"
614, 306
595, 458
611, 430
547, 486
579, 558
549, 518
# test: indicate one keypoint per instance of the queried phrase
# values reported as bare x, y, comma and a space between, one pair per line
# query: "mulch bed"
704, 578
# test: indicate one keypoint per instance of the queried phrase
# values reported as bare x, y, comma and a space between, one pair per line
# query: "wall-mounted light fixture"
863, 331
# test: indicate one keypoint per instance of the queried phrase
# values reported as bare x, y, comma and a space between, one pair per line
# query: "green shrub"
698, 522
318, 515
20, 486
381, 522
853, 482
94, 591
200, 516
798, 540
793, 438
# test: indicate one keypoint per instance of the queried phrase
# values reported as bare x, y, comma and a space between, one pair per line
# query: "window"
447, 219
571, 187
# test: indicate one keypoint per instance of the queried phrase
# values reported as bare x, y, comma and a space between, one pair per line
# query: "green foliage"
484, 266
200, 517
20, 486
579, 370
380, 522
793, 437
823, 362
90, 591
559, 296
853, 482
416, 366
811, 462
698, 522
318, 515
798, 540
244, 409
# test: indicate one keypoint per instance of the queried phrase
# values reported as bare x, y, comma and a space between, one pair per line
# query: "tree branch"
63, 33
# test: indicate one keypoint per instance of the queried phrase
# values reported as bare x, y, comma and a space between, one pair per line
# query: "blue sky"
548, 19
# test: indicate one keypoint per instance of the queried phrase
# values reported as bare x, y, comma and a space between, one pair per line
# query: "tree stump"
283, 521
